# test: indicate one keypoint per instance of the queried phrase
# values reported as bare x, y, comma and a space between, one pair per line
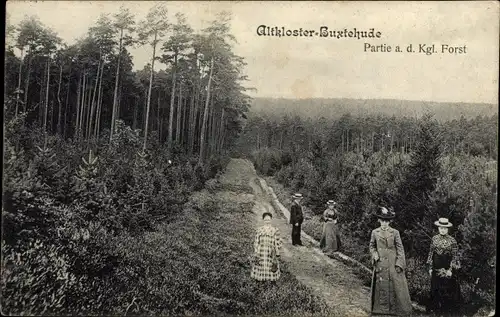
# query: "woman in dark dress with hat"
443, 265
330, 240
389, 291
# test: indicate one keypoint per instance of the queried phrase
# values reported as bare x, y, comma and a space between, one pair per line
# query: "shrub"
67, 211
268, 161
360, 184
35, 281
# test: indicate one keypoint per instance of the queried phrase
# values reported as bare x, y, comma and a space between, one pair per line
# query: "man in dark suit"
296, 219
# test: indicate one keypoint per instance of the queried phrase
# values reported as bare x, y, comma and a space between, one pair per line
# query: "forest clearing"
137, 188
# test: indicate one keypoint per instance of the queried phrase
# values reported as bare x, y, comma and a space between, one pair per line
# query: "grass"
313, 226
353, 248
417, 275
199, 263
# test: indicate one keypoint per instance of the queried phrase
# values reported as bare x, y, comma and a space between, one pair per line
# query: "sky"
324, 67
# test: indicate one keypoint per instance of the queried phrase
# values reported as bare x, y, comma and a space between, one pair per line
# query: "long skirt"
445, 296
330, 240
390, 293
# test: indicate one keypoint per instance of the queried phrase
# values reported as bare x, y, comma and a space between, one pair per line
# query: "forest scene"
134, 188
99, 157
423, 167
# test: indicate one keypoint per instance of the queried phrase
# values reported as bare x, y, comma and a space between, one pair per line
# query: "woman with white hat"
389, 290
330, 240
443, 264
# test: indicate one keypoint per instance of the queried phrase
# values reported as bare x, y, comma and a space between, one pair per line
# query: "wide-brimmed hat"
331, 202
297, 196
267, 213
384, 213
443, 222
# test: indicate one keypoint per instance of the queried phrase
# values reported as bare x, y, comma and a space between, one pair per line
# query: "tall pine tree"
414, 204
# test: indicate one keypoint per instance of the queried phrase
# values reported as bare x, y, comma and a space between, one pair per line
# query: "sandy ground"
332, 280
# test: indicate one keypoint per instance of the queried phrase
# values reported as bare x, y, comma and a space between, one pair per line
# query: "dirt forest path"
330, 279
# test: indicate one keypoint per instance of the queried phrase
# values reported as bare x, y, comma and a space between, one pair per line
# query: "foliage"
468, 135
67, 211
351, 161
88, 176
82, 90
334, 108
413, 201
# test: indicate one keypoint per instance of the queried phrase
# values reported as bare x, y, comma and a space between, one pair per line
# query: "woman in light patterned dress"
267, 247
443, 264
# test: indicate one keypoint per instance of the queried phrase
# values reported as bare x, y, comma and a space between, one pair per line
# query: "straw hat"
331, 202
384, 213
297, 196
443, 222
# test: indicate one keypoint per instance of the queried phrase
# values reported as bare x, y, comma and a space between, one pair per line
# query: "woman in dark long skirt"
330, 240
445, 296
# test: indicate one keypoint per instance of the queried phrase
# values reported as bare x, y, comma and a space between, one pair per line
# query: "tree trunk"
119, 102
52, 113
41, 98
93, 103
82, 108
184, 122
221, 132
158, 120
27, 81
99, 106
115, 95
172, 99
65, 125
392, 140
210, 129
50, 125
193, 121
134, 119
373, 142
281, 140
342, 151
199, 118
149, 94
178, 113
215, 131
362, 143
82, 103
215, 126
59, 112
223, 136
205, 115
144, 112
78, 104
87, 107
46, 103
20, 80
347, 142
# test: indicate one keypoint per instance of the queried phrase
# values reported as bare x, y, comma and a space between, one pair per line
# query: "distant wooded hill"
334, 108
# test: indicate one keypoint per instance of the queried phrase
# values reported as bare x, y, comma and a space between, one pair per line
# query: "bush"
68, 210
268, 161
35, 281
201, 266
360, 184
